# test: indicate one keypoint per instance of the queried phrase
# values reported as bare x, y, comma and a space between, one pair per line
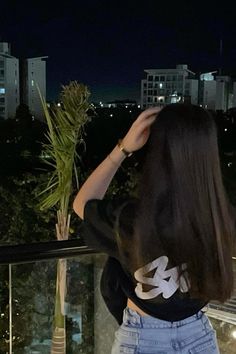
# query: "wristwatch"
121, 147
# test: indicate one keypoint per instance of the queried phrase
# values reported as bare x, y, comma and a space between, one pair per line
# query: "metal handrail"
31, 252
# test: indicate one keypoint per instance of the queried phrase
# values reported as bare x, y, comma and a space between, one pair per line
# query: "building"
33, 80
19, 83
164, 86
121, 103
216, 92
207, 90
211, 91
234, 94
9, 82
224, 93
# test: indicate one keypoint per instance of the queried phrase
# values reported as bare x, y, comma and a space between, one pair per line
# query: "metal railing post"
10, 308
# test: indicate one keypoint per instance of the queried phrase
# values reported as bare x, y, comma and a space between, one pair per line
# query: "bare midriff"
134, 307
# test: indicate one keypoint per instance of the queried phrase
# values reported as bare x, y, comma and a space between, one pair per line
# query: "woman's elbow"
78, 208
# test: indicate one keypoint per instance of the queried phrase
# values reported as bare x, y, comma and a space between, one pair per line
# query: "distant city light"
111, 115
230, 164
59, 105
226, 129
126, 106
233, 334
139, 106
130, 111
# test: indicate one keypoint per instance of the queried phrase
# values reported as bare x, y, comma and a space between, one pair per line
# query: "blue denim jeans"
149, 335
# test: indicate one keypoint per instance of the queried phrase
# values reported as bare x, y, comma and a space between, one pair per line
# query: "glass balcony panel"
89, 326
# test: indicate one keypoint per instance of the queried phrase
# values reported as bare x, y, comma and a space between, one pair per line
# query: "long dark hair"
184, 211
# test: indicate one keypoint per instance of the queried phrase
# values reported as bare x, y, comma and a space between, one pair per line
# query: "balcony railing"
27, 301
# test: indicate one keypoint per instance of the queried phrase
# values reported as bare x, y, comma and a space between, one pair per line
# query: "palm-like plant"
65, 130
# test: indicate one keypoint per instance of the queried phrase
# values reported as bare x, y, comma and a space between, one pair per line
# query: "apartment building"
217, 92
9, 82
20, 81
33, 80
164, 86
209, 90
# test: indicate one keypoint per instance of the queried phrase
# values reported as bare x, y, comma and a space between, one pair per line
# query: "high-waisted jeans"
149, 335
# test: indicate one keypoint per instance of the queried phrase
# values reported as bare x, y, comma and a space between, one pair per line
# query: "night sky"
108, 44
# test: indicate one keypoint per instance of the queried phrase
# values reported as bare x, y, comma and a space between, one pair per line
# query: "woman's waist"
131, 305
170, 314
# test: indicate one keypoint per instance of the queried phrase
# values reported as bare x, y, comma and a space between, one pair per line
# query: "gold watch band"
121, 147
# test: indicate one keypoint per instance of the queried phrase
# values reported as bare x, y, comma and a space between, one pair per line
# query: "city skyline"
107, 46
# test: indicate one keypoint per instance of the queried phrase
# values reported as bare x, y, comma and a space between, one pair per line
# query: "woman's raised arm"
98, 182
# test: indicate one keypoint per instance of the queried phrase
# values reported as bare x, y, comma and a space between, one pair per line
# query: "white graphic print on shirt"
164, 281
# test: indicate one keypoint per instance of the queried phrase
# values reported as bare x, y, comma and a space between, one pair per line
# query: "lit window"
161, 85
2, 91
32, 82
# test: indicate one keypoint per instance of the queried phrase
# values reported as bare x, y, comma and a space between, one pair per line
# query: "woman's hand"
139, 132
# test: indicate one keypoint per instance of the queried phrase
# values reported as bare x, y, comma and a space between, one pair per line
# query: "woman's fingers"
148, 113
140, 129
146, 123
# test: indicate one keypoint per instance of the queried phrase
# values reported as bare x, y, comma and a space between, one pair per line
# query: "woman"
171, 248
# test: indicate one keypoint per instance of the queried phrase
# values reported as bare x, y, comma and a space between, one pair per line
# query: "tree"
65, 130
